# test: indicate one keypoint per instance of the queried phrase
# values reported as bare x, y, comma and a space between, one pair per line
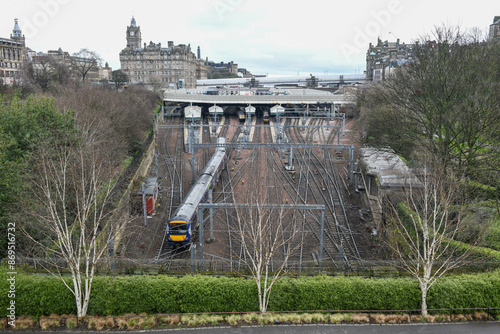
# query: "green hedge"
466, 291
43, 295
165, 294
37, 295
344, 293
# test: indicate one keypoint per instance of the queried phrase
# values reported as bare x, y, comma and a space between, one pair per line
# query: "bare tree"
41, 72
155, 83
72, 187
268, 239
85, 61
45, 71
445, 101
421, 229
62, 74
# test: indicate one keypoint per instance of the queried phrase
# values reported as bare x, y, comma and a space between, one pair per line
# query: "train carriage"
266, 117
181, 226
241, 115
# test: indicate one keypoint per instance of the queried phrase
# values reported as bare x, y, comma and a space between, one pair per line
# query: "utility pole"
321, 240
210, 198
156, 164
201, 236
144, 206
191, 148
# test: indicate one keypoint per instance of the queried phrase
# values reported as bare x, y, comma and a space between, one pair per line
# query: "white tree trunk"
264, 235
424, 289
77, 172
420, 230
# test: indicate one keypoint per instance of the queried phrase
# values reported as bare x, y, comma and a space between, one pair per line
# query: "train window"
178, 228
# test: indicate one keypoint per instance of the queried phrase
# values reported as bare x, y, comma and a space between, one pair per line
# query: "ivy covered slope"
31, 122
24, 125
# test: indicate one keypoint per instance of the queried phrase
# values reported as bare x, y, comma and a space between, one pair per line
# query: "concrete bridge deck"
260, 99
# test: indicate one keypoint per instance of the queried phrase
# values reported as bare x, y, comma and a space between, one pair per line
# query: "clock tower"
133, 35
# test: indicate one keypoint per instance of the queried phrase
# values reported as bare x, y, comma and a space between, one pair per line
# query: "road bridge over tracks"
292, 99
305, 101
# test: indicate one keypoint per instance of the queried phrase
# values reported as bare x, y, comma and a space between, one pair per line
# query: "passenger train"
266, 117
183, 223
241, 115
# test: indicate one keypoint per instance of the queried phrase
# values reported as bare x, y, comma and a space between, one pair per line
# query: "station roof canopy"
260, 99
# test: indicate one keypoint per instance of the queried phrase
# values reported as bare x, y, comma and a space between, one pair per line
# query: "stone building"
222, 70
495, 29
201, 67
44, 62
174, 66
244, 73
384, 56
12, 56
105, 73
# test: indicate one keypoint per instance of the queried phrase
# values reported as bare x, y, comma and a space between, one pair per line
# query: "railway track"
172, 259
301, 192
207, 138
328, 192
286, 193
334, 178
172, 158
262, 186
225, 194
282, 187
315, 181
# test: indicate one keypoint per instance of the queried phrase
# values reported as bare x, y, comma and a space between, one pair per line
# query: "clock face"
132, 33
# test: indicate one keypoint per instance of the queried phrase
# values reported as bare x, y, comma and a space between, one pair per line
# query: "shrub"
49, 322
361, 318
344, 293
24, 323
170, 319
233, 320
41, 295
70, 323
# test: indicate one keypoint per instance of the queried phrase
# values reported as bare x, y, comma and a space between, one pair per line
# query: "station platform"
217, 126
198, 136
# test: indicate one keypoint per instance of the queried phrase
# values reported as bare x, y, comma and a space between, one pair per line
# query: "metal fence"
234, 267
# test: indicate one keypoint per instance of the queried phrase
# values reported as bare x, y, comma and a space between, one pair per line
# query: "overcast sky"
276, 37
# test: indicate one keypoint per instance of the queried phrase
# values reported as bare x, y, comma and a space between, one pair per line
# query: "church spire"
132, 22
